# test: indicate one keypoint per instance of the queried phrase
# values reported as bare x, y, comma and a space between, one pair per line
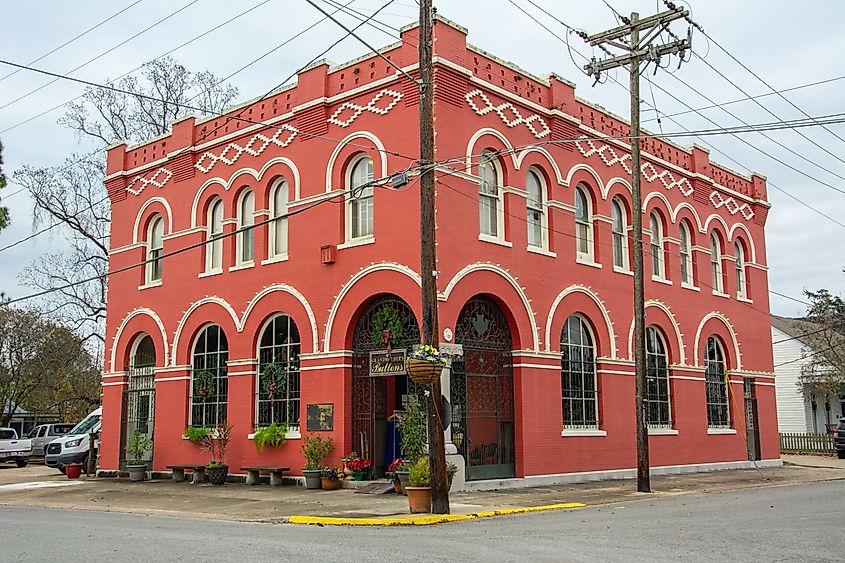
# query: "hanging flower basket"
423, 372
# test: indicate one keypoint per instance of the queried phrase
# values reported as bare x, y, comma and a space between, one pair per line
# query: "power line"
32, 236
69, 41
139, 67
832, 348
104, 53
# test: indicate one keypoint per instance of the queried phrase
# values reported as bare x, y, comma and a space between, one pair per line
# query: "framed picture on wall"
320, 417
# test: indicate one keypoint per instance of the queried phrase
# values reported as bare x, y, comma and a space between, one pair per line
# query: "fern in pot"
138, 446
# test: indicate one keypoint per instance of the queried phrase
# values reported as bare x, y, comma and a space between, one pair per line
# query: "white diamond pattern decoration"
371, 107
255, 146
515, 118
729, 203
154, 180
609, 156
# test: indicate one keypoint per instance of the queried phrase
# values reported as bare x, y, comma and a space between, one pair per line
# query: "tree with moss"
4, 211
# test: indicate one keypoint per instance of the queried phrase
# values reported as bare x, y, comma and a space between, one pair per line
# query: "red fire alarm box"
327, 253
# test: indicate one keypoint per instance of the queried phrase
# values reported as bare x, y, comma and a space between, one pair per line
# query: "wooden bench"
179, 473
276, 474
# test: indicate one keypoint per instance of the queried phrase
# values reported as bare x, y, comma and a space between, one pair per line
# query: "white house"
795, 413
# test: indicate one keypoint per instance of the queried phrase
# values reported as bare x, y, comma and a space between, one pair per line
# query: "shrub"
137, 447
420, 474
315, 448
414, 428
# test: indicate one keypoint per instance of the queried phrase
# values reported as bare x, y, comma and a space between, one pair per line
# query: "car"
14, 449
43, 434
839, 439
73, 448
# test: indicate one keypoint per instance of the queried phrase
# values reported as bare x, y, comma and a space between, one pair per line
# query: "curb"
425, 520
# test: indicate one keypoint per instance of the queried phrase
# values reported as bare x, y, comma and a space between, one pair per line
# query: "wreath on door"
205, 384
388, 327
274, 381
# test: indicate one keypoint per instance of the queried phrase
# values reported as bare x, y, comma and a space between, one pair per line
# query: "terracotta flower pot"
423, 372
330, 484
419, 499
397, 487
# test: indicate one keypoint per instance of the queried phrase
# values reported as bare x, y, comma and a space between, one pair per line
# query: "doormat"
376, 488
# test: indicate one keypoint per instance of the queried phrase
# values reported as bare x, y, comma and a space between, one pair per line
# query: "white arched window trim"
246, 238
155, 248
619, 227
716, 280
685, 249
536, 203
214, 230
360, 206
658, 255
279, 197
584, 234
741, 281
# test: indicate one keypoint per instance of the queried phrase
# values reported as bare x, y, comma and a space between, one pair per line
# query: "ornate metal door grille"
482, 391
138, 407
752, 435
369, 394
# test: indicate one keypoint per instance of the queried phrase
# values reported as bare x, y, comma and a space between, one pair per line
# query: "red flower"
395, 465
359, 465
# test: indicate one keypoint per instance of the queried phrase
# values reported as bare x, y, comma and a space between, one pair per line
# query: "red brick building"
285, 321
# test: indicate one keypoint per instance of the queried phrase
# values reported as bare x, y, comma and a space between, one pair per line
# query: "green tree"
823, 372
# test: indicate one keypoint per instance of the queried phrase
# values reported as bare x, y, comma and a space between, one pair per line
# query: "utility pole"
635, 51
428, 259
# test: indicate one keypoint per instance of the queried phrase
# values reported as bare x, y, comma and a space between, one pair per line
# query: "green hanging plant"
388, 326
205, 384
274, 381
273, 435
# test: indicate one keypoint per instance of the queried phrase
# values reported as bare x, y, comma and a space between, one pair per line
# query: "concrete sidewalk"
38, 486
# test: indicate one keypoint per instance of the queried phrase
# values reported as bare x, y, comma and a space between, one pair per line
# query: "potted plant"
195, 434
425, 364
451, 469
315, 448
138, 445
413, 426
392, 472
215, 443
419, 491
359, 467
346, 459
273, 435
330, 477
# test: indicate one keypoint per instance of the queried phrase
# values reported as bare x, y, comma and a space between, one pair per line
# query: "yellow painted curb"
425, 520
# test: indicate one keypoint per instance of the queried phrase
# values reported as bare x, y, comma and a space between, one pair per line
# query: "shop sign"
383, 363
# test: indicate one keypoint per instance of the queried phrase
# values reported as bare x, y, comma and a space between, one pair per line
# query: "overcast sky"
785, 43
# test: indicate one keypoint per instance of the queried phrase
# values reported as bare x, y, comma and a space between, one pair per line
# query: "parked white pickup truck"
13, 449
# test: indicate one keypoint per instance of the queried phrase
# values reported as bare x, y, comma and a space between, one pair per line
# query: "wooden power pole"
639, 48
428, 259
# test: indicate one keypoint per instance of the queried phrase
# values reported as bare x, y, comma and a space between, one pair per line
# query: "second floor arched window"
246, 220
214, 248
489, 194
583, 226
739, 254
620, 237
155, 247
360, 199
536, 210
655, 225
716, 264
279, 225
686, 254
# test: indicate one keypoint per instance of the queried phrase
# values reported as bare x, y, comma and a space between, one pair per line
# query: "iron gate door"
752, 434
138, 409
482, 392
370, 394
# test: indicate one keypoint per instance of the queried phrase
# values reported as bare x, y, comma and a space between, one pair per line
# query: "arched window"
583, 225
279, 227
655, 225
739, 253
209, 383
536, 210
489, 194
278, 369
657, 380
360, 199
716, 264
155, 246
143, 354
578, 375
620, 237
214, 249
718, 413
246, 237
686, 255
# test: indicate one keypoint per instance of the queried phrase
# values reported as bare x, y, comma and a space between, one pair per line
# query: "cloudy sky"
785, 46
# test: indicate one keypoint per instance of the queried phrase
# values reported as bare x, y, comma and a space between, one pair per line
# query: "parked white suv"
14, 449
73, 448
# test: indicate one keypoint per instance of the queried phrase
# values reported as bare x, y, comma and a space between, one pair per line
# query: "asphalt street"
795, 523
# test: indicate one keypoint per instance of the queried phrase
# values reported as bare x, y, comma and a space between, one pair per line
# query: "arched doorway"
139, 396
380, 386
482, 391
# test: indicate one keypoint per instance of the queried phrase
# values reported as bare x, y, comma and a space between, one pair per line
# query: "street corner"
427, 519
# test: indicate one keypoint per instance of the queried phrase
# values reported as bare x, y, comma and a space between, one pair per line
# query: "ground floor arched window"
277, 396
718, 412
209, 381
657, 380
578, 375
